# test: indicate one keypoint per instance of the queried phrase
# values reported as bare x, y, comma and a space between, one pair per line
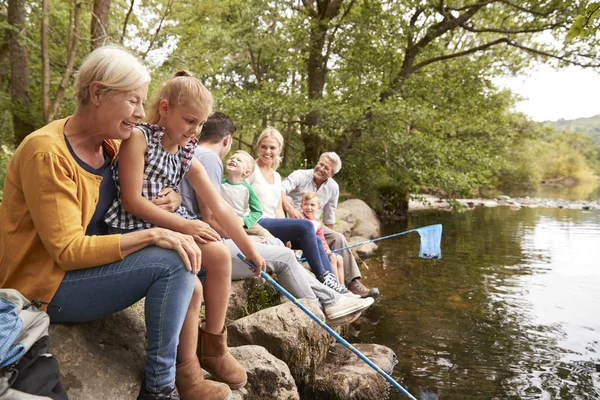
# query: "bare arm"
222, 213
279, 209
209, 217
289, 208
131, 180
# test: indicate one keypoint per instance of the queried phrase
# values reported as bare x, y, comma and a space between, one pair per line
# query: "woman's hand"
168, 199
201, 231
293, 213
258, 261
184, 245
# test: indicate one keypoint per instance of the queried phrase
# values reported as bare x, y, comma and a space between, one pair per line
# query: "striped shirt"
161, 170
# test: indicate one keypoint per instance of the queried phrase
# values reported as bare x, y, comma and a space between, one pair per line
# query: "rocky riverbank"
428, 202
286, 354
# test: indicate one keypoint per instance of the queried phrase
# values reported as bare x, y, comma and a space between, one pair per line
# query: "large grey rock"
268, 377
346, 376
367, 224
345, 221
238, 297
287, 333
103, 359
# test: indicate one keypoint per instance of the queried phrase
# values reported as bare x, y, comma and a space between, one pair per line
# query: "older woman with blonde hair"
54, 245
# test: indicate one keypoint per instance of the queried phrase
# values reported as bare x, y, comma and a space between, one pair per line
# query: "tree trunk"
100, 23
45, 62
320, 14
60, 91
19, 71
316, 75
126, 21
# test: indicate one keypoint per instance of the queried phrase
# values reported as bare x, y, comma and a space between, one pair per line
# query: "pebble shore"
428, 202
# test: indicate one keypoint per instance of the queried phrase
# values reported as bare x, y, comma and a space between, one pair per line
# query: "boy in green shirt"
240, 195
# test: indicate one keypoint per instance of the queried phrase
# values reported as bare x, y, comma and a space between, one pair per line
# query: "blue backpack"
27, 370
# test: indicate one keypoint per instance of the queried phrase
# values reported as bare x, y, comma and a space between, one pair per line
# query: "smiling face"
118, 112
324, 170
310, 206
268, 150
238, 167
181, 122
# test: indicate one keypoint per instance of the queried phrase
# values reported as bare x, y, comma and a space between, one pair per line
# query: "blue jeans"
155, 273
301, 232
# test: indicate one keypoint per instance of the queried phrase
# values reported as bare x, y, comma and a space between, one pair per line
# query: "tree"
100, 15
19, 69
50, 108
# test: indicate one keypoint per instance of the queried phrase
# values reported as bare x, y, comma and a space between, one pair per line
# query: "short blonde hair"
181, 90
248, 157
272, 133
116, 69
309, 196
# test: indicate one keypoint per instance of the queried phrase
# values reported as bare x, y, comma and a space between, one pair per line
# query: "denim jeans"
301, 233
155, 273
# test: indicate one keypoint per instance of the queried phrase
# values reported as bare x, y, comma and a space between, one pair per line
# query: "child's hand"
241, 221
201, 231
258, 261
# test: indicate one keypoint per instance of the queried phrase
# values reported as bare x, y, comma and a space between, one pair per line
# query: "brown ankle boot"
192, 386
216, 359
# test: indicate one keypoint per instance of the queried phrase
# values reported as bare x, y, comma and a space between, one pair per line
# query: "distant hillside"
589, 126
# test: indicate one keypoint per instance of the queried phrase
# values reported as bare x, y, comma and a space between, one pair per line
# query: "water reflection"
511, 311
582, 191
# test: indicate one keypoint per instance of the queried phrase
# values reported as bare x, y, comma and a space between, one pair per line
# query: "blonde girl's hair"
274, 134
248, 157
116, 69
309, 196
181, 90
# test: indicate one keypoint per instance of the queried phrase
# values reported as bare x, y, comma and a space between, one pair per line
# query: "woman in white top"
266, 182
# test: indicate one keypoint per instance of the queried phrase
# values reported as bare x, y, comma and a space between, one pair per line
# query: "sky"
551, 94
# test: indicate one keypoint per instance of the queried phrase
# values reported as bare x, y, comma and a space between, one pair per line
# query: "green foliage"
589, 126
585, 24
261, 296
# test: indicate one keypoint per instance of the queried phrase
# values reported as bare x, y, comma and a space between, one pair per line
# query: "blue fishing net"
431, 240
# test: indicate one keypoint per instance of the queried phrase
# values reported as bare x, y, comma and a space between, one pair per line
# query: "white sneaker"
350, 294
345, 320
347, 305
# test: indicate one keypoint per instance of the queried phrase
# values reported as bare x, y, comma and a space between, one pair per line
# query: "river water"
511, 311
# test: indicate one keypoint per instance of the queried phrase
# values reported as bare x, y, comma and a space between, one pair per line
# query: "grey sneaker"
328, 279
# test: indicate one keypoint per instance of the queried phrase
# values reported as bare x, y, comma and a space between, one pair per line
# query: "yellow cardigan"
47, 205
